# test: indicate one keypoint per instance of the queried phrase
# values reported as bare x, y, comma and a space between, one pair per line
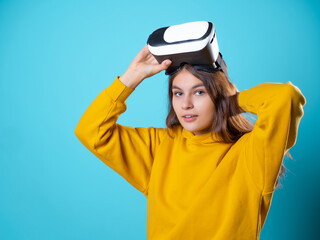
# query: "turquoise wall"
56, 56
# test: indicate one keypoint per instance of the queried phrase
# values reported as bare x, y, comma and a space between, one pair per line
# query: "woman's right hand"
144, 65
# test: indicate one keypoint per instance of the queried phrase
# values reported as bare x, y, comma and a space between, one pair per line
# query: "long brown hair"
230, 123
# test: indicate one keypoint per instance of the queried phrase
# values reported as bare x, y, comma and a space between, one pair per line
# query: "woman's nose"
187, 103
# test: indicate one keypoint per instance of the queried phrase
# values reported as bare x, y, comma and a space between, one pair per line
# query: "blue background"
57, 56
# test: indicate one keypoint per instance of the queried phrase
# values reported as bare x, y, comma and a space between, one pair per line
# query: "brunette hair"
229, 122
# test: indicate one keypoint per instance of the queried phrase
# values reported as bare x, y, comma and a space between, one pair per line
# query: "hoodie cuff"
118, 91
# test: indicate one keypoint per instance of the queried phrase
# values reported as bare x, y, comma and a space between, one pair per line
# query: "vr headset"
194, 43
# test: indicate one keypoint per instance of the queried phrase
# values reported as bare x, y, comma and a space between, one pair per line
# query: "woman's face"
192, 103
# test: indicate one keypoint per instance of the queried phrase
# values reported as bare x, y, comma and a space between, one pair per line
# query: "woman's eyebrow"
175, 87
198, 85
195, 86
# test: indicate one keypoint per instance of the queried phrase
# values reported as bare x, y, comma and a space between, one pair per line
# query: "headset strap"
221, 64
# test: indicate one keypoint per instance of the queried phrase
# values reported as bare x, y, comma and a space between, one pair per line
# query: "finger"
145, 52
142, 54
163, 66
152, 60
167, 62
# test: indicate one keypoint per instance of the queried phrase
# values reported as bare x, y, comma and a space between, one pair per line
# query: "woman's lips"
189, 118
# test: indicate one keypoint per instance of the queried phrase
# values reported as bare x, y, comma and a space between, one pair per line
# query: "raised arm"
127, 150
279, 109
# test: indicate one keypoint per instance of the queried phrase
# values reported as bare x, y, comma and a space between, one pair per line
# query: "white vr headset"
194, 43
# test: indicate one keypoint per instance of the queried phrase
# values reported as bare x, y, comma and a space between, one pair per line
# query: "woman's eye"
199, 92
178, 94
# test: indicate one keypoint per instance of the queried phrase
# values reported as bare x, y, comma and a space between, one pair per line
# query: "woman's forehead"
185, 79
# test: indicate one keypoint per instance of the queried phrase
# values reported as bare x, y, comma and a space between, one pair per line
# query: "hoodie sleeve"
127, 150
279, 110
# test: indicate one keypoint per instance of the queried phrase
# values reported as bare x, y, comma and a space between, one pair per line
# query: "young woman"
210, 174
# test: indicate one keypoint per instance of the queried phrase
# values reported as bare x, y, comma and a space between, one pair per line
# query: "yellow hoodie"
198, 188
